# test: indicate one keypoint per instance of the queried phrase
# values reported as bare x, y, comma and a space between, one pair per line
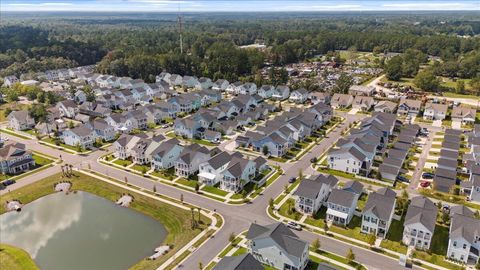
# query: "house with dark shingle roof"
378, 212
240, 262
190, 159
464, 236
312, 193
15, 158
277, 246
20, 120
83, 135
419, 223
342, 203
164, 156
464, 115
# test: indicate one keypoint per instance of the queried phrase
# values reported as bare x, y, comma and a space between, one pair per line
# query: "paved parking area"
456, 125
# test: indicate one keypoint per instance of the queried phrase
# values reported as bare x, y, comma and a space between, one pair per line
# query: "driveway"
353, 111
437, 123
456, 125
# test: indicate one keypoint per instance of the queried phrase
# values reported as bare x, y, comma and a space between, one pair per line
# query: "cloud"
41, 4
432, 6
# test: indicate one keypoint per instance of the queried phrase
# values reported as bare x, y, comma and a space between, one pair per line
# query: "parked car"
294, 225
403, 179
428, 175
8, 182
292, 180
313, 160
425, 184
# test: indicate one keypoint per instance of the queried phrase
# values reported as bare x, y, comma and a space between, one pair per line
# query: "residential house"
220, 85
122, 122
340, 101
363, 103
312, 193
281, 92
409, 107
124, 144
266, 91
67, 108
15, 158
239, 262
342, 203
299, 95
20, 120
319, 97
239, 172
435, 111
211, 171
81, 136
360, 90
9, 81
465, 115
186, 127
166, 154
378, 212
189, 81
204, 83
277, 246
419, 223
385, 106
103, 130
190, 159
464, 236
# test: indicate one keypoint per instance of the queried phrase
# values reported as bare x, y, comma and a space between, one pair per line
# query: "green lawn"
13, 133
39, 163
141, 168
186, 182
214, 190
12, 105
394, 237
176, 221
122, 162
52, 141
13, 258
168, 174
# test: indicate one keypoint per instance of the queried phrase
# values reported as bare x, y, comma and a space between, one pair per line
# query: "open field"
13, 258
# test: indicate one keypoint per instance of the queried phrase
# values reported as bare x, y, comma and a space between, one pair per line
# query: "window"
464, 246
455, 243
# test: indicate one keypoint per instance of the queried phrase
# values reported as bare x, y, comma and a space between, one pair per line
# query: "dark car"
8, 182
313, 160
403, 179
292, 180
428, 175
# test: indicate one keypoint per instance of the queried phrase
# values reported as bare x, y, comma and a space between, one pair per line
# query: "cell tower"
180, 29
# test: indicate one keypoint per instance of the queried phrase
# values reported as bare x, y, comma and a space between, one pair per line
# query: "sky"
235, 5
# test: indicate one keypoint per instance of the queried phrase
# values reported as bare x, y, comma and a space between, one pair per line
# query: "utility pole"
180, 29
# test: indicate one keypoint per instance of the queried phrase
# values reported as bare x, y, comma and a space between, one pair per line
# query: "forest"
141, 46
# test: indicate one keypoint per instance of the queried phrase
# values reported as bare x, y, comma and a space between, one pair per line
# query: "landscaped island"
177, 222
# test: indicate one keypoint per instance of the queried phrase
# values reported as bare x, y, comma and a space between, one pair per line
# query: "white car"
294, 225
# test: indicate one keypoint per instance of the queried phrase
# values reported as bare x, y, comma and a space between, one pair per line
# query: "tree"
460, 87
475, 84
350, 256
154, 188
325, 227
477, 266
371, 239
343, 84
181, 197
427, 81
194, 223
265, 150
271, 203
316, 244
231, 238
393, 68
300, 174
285, 189
200, 265
197, 187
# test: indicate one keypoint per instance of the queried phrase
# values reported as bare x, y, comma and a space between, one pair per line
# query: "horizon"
216, 6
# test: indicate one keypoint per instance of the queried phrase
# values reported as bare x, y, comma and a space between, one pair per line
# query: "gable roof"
281, 235
381, 205
422, 210
241, 262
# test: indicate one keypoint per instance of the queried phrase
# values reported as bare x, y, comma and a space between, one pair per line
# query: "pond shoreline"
176, 221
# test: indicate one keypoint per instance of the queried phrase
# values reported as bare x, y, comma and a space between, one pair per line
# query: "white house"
239, 172
266, 91
190, 159
419, 223
435, 111
20, 120
363, 103
82, 136
220, 85
464, 242
299, 95
378, 212
342, 203
311, 194
281, 92
211, 171
277, 246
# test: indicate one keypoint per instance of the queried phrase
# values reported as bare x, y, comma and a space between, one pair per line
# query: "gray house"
277, 246
240, 262
20, 120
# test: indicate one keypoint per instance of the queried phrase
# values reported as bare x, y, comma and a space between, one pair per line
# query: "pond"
81, 231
